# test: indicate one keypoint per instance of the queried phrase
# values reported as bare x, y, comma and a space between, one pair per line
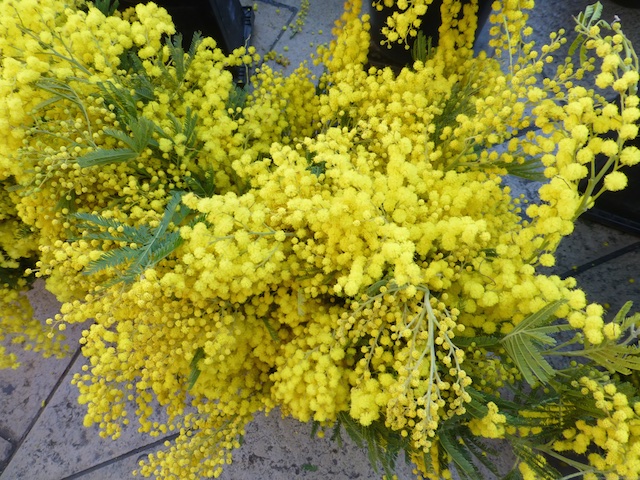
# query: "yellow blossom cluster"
17, 325
490, 426
334, 246
404, 21
612, 443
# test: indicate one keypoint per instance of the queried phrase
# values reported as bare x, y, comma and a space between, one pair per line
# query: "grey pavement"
41, 431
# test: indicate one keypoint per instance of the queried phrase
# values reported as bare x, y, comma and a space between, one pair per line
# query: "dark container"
619, 210
628, 3
398, 56
226, 21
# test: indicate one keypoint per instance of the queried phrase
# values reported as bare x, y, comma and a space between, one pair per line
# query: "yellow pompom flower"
615, 181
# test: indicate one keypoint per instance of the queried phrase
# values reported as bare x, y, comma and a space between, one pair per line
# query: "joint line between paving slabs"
278, 4
294, 13
16, 446
599, 261
4, 435
121, 457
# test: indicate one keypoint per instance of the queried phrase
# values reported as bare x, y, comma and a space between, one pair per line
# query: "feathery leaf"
102, 156
152, 245
195, 371
383, 444
524, 342
618, 355
458, 454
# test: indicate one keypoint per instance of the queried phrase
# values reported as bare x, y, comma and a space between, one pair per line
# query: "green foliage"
480, 342
237, 97
138, 133
127, 91
195, 371
588, 18
421, 49
60, 90
178, 59
451, 442
530, 169
15, 278
535, 461
618, 355
188, 129
317, 168
202, 182
383, 444
151, 245
273, 333
524, 343
123, 98
141, 134
107, 7
105, 156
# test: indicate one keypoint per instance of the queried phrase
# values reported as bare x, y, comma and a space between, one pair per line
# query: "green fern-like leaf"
179, 59
165, 247
104, 156
202, 182
273, 333
524, 344
195, 370
459, 454
141, 137
530, 169
107, 7
237, 97
421, 49
591, 16
539, 466
112, 259
617, 358
186, 128
481, 452
143, 261
123, 101
92, 225
153, 245
141, 134
618, 355
480, 342
60, 90
383, 444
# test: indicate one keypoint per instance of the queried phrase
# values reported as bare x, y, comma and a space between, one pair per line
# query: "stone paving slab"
269, 20
278, 448
24, 390
588, 243
614, 282
5, 449
60, 445
295, 46
118, 468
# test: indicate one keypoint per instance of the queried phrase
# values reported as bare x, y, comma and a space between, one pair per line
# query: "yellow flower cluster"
330, 246
616, 432
17, 325
491, 426
404, 21
20, 327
